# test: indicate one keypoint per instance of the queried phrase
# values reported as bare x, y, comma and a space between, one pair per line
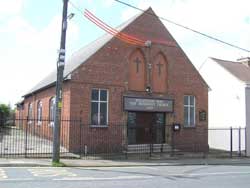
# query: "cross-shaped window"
159, 67
137, 62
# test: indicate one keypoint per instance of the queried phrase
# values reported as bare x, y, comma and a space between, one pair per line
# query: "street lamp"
70, 16
148, 90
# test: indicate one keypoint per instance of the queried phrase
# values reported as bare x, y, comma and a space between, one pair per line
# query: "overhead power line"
185, 27
120, 35
128, 38
135, 40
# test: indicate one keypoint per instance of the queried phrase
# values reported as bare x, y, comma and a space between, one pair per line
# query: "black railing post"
4, 121
26, 137
245, 141
206, 151
151, 143
127, 142
163, 137
239, 141
172, 142
231, 142
81, 138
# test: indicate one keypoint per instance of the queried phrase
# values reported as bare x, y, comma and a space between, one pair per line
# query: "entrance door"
144, 123
158, 128
146, 127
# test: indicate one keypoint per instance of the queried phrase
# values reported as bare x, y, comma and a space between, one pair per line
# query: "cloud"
128, 13
226, 20
108, 3
28, 54
10, 8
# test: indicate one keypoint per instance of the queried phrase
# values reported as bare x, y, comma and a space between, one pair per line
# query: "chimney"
244, 61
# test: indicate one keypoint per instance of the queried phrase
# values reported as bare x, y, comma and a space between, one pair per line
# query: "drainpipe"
148, 45
247, 116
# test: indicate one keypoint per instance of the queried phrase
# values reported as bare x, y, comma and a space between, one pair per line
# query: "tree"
5, 112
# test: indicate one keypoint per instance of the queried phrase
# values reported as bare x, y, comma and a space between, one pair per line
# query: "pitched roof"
80, 57
239, 70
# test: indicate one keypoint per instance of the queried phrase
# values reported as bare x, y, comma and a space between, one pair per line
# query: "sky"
30, 33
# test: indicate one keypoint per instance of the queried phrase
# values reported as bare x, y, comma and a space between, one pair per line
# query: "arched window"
39, 112
52, 108
30, 111
159, 74
137, 73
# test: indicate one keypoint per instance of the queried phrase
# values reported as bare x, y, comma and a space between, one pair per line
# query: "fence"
30, 138
227, 140
33, 138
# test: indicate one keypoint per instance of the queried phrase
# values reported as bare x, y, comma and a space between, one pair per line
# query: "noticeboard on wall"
202, 115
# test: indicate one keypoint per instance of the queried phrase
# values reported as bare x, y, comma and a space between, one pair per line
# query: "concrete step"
145, 148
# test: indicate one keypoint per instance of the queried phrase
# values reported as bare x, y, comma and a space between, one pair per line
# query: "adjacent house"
110, 83
229, 99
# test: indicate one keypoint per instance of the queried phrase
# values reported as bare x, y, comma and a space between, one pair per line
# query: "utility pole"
59, 81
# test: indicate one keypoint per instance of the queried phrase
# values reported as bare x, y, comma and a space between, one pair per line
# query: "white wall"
220, 139
226, 106
226, 102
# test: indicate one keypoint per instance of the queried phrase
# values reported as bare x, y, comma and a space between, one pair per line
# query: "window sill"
98, 126
189, 126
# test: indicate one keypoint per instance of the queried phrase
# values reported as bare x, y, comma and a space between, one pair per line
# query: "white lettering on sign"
140, 104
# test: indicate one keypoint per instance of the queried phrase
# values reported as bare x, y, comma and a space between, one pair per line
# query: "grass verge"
58, 164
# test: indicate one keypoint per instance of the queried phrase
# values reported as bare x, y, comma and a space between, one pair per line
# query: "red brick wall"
110, 68
45, 130
44, 96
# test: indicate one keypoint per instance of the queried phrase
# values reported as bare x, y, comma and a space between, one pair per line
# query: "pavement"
27, 162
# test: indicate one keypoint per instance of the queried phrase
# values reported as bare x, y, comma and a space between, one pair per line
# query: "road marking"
18, 179
218, 173
52, 172
124, 167
98, 179
207, 174
3, 174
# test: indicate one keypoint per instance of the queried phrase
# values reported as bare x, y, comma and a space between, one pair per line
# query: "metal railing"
34, 138
227, 141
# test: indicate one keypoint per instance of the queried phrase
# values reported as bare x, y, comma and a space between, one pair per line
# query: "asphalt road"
138, 177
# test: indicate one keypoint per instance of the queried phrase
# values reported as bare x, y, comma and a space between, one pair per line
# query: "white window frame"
52, 121
188, 106
39, 112
99, 107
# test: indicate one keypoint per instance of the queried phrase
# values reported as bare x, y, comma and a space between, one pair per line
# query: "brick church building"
110, 83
